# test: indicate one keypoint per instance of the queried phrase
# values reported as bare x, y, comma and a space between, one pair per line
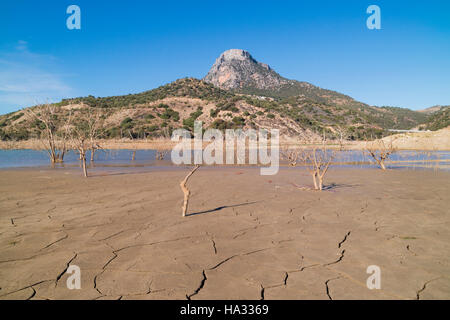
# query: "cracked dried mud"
247, 236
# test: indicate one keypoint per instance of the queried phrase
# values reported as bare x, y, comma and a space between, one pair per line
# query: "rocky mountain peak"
237, 69
235, 54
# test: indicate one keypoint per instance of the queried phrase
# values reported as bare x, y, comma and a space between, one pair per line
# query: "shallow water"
414, 159
36, 158
437, 160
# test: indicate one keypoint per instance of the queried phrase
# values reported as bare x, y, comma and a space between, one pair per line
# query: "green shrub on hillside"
127, 123
239, 121
170, 114
213, 113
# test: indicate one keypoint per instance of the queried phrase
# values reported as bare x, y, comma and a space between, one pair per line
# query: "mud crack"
202, 284
65, 270
424, 287
327, 288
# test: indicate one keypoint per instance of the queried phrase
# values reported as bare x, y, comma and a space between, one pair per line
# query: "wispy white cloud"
27, 78
22, 45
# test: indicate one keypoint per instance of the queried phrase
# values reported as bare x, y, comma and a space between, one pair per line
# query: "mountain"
236, 70
238, 92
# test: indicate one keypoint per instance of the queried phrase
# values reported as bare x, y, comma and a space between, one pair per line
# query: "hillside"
157, 112
438, 119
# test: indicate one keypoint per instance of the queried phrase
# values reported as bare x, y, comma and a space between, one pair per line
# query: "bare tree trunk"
314, 175
92, 154
186, 190
61, 155
381, 163
53, 156
133, 156
83, 161
320, 182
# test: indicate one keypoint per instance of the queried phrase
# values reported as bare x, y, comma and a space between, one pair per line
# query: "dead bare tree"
94, 133
84, 135
186, 191
80, 143
380, 151
133, 154
317, 161
291, 155
160, 154
53, 139
342, 135
316, 158
183, 183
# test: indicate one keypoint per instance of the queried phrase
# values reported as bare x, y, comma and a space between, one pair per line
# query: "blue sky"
132, 46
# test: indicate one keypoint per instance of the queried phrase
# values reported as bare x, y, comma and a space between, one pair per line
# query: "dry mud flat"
250, 237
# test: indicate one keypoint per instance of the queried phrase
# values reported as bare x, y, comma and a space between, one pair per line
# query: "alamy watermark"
374, 281
74, 20
74, 280
374, 20
241, 147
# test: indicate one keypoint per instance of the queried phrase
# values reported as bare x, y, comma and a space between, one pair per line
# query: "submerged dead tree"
133, 154
93, 137
380, 151
161, 154
64, 134
54, 134
84, 135
342, 135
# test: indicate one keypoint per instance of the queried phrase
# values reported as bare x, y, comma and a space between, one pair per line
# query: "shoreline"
167, 145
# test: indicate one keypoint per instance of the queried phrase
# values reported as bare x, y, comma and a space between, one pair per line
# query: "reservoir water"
439, 160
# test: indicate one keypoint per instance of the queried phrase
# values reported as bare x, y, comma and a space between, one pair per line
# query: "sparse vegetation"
438, 120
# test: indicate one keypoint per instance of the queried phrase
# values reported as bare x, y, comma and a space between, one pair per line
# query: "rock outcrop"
237, 69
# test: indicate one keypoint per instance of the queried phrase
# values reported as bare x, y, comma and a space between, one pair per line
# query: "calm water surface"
439, 160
